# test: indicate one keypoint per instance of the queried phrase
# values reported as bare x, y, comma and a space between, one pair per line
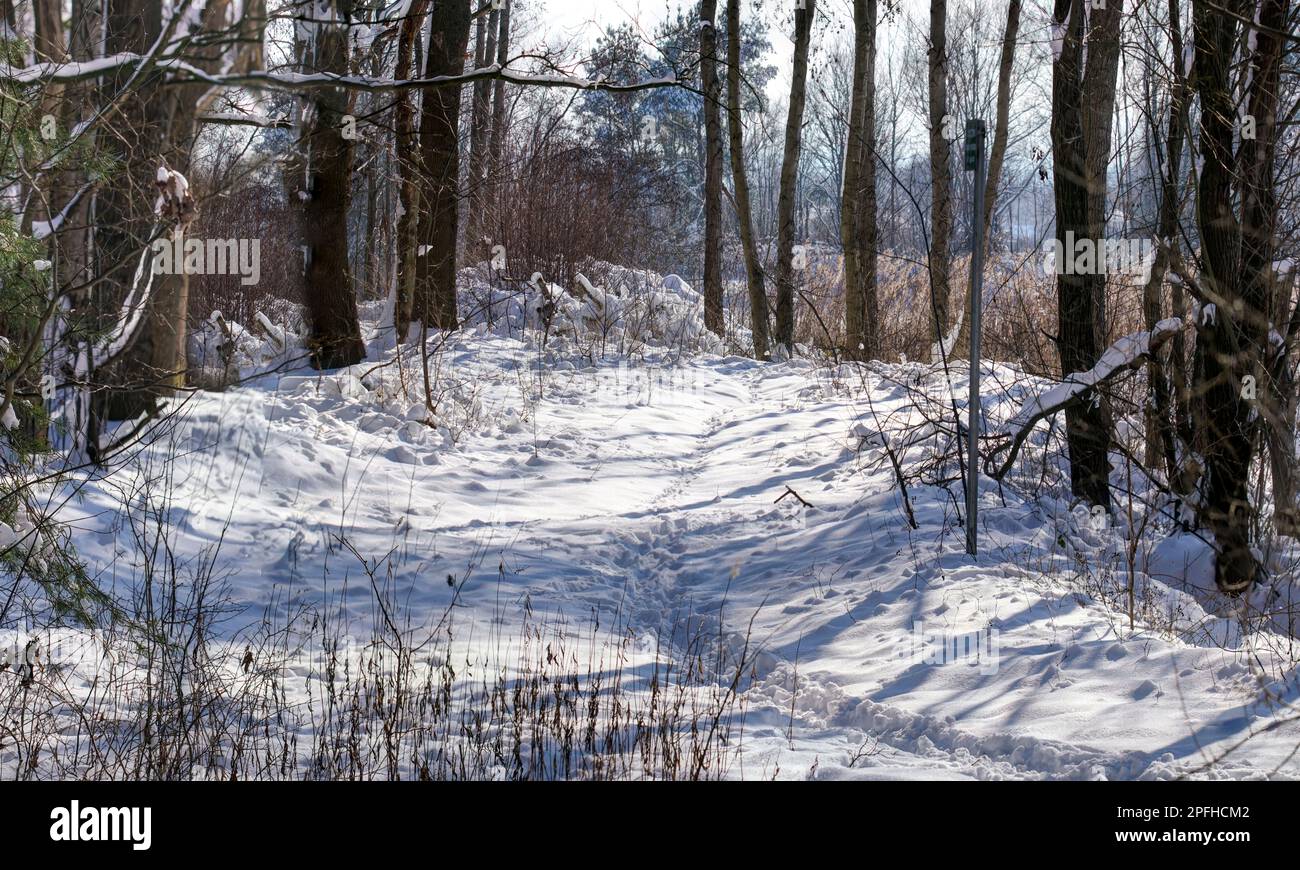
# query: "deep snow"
648, 489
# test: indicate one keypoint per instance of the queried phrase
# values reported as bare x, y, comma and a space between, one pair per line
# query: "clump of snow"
175, 202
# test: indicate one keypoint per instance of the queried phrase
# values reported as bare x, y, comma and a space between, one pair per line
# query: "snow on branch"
42, 229
1128, 352
124, 330
246, 119
190, 74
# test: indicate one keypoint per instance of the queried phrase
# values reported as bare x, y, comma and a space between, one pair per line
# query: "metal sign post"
977, 162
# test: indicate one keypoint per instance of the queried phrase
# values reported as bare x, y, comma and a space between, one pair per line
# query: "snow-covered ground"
648, 492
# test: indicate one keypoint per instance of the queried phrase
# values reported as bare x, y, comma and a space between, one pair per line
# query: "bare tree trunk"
168, 321
408, 174
124, 215
758, 315
858, 227
497, 144
940, 169
785, 229
1279, 433
1179, 374
435, 275
1161, 441
73, 242
1277, 404
331, 300
713, 319
1222, 361
484, 53
998, 153
1236, 275
1082, 101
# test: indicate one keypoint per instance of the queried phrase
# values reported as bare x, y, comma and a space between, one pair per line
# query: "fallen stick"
789, 491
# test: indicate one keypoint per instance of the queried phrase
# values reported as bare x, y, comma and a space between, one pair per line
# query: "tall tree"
1086, 46
497, 140
1161, 440
1236, 262
179, 111
940, 168
485, 50
712, 167
409, 173
326, 194
785, 224
758, 313
122, 210
858, 227
1001, 136
435, 274
998, 153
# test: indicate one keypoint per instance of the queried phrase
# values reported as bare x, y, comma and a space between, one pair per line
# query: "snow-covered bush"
222, 352
609, 309
211, 349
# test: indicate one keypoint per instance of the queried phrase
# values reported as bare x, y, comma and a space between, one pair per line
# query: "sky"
584, 20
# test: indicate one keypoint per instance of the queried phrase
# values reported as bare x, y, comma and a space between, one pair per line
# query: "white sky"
589, 17
585, 20
582, 21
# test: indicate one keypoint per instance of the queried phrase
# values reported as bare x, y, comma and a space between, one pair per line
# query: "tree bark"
1161, 439
331, 302
858, 226
785, 227
168, 322
758, 314
940, 170
1235, 275
485, 50
408, 174
435, 274
123, 214
1083, 97
1276, 404
713, 319
497, 143
998, 153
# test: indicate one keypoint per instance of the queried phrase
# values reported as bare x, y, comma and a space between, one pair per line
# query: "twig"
789, 491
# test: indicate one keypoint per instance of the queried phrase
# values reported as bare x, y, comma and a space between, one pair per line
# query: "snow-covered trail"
651, 496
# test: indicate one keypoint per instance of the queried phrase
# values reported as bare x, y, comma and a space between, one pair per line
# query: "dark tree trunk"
713, 319
1276, 404
1082, 101
758, 314
785, 228
940, 169
858, 227
485, 50
1161, 439
435, 275
331, 301
497, 140
123, 214
408, 174
1235, 273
